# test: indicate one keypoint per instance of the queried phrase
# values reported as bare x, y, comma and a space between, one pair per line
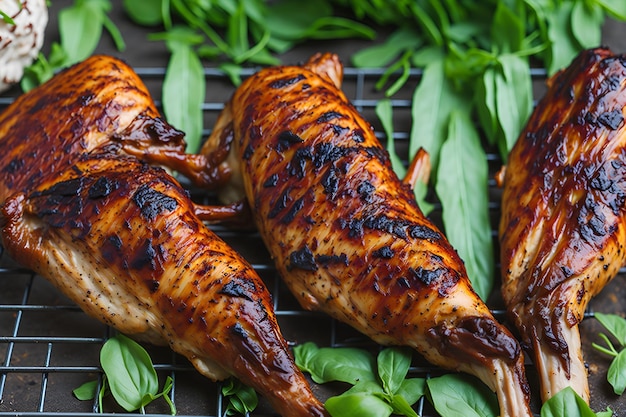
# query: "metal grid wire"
49, 347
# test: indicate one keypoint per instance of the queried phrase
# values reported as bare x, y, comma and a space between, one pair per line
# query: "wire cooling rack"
48, 346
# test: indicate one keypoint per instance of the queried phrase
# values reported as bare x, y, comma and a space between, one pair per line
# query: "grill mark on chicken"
286, 82
152, 203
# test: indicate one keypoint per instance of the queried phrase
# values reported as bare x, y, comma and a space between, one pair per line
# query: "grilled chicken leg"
121, 240
97, 103
347, 235
563, 229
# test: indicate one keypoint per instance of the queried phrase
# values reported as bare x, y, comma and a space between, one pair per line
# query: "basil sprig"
616, 326
129, 376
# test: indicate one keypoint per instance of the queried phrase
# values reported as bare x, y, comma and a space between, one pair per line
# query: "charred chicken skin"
347, 235
100, 102
562, 230
84, 209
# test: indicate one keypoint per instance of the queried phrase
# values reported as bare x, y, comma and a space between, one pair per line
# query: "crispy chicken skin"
96, 103
347, 235
562, 230
121, 240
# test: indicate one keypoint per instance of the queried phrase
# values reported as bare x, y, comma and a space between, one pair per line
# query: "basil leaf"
381, 55
617, 9
412, 389
393, 365
587, 20
145, 12
335, 364
456, 395
566, 403
384, 111
616, 374
615, 324
402, 407
87, 391
563, 46
514, 98
183, 94
433, 101
360, 404
80, 29
242, 399
508, 28
463, 168
130, 373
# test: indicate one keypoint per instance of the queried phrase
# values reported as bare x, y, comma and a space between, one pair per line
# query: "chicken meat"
120, 238
347, 235
83, 206
563, 224
97, 103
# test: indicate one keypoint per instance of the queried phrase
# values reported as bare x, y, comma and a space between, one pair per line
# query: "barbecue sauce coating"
347, 235
98, 103
120, 238
562, 230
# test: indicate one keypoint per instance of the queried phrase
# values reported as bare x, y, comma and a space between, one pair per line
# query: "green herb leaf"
587, 19
433, 101
335, 364
381, 55
566, 403
242, 399
615, 324
145, 12
384, 111
616, 375
184, 92
617, 9
456, 395
514, 99
84, 18
358, 404
463, 168
393, 365
130, 373
87, 391
412, 389
6, 18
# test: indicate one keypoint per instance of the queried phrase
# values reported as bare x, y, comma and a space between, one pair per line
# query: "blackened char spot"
330, 182
116, 241
426, 276
339, 130
68, 188
357, 136
284, 82
271, 181
238, 288
288, 138
612, 119
146, 257
101, 188
384, 252
152, 202
601, 181
238, 330
332, 259
303, 259
279, 204
423, 232
297, 165
328, 116
366, 190
293, 210
247, 153
14, 166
